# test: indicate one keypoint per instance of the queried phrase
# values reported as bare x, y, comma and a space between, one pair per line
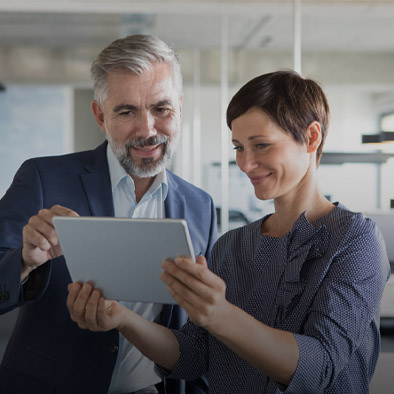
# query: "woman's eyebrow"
251, 138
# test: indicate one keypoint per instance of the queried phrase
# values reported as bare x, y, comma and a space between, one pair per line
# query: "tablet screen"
123, 256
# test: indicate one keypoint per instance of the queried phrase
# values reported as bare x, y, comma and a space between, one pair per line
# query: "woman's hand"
198, 290
91, 311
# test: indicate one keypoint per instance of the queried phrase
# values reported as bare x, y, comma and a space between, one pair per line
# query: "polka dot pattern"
322, 281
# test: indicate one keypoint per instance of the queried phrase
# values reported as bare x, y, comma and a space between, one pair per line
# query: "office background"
46, 48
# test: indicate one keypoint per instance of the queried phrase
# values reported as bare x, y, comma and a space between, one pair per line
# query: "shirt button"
3, 296
113, 348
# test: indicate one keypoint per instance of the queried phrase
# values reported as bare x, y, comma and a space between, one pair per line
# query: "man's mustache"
142, 142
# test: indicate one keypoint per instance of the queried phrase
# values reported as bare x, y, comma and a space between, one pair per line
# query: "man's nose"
146, 125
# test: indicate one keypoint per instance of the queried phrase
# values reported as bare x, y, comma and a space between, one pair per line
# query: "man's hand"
90, 310
40, 242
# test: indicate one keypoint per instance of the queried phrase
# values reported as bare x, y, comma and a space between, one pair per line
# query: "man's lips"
146, 151
256, 180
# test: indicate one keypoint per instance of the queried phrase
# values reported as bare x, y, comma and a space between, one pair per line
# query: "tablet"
123, 256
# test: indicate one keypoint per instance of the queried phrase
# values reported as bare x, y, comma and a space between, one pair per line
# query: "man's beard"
147, 168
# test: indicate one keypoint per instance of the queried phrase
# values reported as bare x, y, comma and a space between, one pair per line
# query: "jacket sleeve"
212, 231
22, 200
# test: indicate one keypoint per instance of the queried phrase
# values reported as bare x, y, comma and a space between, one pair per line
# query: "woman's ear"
314, 136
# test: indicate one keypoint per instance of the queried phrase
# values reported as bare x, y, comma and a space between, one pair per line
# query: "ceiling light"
379, 138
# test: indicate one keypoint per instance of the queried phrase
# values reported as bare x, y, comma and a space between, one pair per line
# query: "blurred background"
47, 46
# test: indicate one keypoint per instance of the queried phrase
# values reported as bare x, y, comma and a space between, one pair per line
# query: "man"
137, 104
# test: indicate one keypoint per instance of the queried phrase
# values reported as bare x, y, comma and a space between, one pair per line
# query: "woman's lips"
256, 180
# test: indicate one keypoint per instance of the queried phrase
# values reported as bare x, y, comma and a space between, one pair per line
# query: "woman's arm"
202, 294
91, 311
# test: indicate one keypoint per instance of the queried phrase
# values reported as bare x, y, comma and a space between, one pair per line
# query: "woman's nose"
246, 161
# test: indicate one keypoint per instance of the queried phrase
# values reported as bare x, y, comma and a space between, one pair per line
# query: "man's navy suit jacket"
47, 352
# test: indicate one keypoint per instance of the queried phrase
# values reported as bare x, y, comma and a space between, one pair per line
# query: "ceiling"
55, 41
361, 26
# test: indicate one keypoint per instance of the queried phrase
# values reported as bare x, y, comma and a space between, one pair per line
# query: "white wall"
35, 121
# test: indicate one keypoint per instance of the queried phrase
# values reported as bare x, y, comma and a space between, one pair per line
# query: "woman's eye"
261, 146
238, 148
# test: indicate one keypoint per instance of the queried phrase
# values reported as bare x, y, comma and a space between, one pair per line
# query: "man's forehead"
158, 74
141, 90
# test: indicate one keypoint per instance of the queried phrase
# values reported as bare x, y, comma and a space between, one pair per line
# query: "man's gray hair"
136, 53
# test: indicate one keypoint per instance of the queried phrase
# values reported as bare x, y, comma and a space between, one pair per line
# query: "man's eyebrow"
122, 107
130, 107
162, 103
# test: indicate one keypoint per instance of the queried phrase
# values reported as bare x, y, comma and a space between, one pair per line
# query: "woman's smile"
258, 180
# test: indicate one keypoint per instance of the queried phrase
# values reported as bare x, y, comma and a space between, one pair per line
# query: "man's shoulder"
74, 158
183, 185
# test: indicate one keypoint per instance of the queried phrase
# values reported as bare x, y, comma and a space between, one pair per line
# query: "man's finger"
32, 237
73, 291
91, 310
59, 210
39, 227
79, 306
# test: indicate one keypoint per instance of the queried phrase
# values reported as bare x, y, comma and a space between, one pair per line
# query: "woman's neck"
289, 208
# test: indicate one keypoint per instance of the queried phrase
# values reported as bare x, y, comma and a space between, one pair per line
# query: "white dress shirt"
133, 371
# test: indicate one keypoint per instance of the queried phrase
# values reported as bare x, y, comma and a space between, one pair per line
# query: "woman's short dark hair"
292, 101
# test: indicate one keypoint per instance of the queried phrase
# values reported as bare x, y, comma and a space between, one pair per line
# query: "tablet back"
123, 256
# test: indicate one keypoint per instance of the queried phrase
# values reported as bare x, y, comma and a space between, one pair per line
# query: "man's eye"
125, 113
162, 110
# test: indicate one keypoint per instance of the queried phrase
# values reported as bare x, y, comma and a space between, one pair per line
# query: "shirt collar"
117, 174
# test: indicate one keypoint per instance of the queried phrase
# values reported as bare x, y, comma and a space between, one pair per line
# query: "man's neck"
141, 186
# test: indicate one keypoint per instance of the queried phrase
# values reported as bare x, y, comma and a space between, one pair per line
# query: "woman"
289, 303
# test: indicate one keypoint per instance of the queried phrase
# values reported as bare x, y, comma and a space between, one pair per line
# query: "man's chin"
144, 170
147, 173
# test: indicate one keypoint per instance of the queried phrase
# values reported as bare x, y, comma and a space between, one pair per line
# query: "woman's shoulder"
359, 242
350, 233
342, 221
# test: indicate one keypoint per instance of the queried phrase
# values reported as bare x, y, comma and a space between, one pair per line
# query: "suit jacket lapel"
175, 207
174, 204
97, 183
